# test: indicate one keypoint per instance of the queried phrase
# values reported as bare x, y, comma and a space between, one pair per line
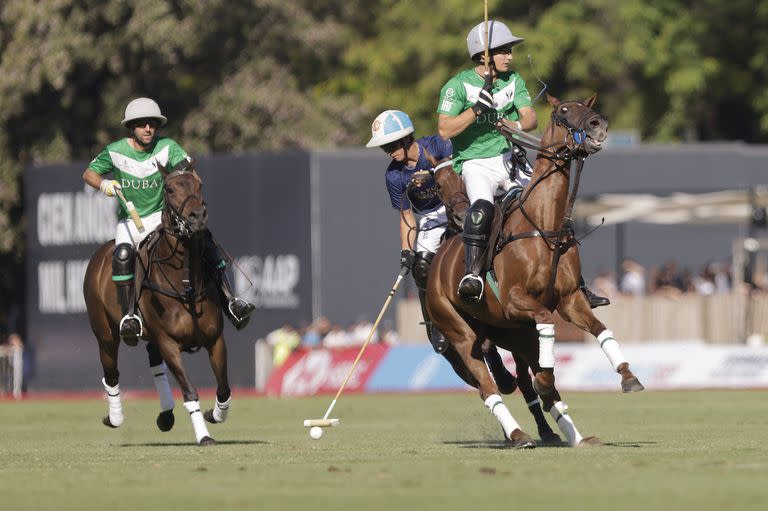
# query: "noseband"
179, 225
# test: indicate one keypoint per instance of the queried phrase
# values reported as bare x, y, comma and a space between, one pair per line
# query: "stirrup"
240, 319
474, 297
131, 339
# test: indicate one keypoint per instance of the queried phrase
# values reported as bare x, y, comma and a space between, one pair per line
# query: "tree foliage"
252, 75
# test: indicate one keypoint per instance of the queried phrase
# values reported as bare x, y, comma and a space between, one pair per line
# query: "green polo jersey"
480, 139
137, 172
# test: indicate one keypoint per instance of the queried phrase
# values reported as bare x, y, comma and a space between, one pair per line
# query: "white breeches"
431, 228
487, 178
128, 233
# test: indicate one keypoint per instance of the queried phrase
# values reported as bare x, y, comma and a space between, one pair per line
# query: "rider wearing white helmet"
422, 214
132, 161
470, 105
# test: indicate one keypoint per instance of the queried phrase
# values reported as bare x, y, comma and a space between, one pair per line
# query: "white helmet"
389, 126
500, 36
143, 108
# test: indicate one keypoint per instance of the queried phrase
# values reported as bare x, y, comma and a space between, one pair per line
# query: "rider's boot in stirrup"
436, 339
471, 285
593, 299
131, 327
237, 310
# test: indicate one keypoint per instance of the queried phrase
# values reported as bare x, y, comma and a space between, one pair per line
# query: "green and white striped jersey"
137, 172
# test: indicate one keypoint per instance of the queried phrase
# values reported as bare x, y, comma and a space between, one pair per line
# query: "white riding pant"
431, 228
487, 178
128, 233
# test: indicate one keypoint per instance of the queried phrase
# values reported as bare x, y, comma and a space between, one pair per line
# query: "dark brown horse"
535, 267
177, 300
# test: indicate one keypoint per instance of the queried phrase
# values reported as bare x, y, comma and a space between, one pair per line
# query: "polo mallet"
325, 421
131, 210
486, 39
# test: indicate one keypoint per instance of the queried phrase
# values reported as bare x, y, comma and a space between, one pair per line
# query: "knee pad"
421, 268
477, 225
123, 259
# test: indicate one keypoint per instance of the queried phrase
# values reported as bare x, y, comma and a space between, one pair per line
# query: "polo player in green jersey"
133, 162
470, 105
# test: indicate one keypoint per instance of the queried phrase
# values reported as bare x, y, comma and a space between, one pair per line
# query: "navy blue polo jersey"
398, 175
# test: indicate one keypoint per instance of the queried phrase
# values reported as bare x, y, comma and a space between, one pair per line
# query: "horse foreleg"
575, 309
165, 419
217, 354
559, 412
532, 401
172, 355
505, 380
108, 356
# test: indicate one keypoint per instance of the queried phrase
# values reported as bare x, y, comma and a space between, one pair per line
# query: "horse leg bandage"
160, 378
546, 345
198, 423
221, 410
559, 412
116, 416
501, 412
611, 348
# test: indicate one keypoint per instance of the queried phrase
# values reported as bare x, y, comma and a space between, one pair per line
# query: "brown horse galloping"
177, 300
536, 267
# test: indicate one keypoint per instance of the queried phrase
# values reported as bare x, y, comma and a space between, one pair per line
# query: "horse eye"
168, 190
564, 109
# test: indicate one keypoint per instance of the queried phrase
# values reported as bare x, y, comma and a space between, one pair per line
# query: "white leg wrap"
611, 348
559, 412
546, 345
116, 416
221, 410
160, 377
198, 423
501, 412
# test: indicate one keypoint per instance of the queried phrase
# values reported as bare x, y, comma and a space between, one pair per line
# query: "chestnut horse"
534, 266
177, 300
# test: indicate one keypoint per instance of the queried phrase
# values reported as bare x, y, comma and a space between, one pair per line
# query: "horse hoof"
590, 441
108, 422
165, 420
208, 415
550, 438
521, 440
506, 383
207, 441
631, 385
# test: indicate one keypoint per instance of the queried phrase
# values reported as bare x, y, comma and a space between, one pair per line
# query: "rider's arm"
448, 126
92, 178
528, 120
407, 230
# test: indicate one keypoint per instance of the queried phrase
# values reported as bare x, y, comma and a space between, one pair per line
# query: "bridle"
178, 224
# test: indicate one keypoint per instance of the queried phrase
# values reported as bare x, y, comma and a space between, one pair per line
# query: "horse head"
575, 126
185, 214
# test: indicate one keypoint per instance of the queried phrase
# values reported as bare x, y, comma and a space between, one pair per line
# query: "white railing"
11, 370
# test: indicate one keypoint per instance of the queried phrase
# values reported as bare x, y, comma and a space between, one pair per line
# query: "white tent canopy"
723, 207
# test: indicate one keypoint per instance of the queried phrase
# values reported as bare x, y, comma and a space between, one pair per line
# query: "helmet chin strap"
139, 141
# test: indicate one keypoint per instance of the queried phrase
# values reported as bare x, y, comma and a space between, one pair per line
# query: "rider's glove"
407, 259
108, 187
484, 98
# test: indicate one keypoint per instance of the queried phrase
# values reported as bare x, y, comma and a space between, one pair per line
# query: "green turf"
664, 450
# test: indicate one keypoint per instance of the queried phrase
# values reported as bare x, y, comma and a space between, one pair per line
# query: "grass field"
704, 450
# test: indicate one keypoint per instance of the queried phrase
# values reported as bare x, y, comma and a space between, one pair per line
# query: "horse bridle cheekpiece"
179, 224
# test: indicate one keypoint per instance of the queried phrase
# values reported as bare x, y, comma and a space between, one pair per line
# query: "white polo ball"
316, 432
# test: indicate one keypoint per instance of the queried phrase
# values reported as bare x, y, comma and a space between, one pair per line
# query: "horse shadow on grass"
183, 444
501, 444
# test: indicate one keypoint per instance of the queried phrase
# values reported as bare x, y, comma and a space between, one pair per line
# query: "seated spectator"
338, 337
388, 334
283, 341
313, 335
361, 330
605, 283
633, 279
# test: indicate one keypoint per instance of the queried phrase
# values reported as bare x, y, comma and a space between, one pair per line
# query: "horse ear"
552, 100
590, 100
162, 168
